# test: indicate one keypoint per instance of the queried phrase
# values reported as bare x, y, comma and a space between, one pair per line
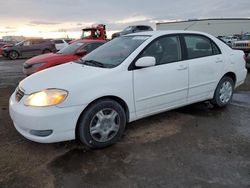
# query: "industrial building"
215, 26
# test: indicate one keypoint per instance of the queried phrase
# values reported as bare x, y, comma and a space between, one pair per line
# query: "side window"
97, 34
37, 41
166, 49
198, 46
27, 43
216, 50
58, 41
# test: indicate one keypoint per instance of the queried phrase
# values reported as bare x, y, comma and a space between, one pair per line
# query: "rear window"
38, 41
143, 28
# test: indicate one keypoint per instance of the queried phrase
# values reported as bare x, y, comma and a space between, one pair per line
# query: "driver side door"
164, 85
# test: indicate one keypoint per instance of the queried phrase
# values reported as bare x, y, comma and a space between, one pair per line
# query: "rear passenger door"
37, 47
205, 64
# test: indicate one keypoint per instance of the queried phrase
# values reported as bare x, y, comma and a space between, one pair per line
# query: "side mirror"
146, 61
81, 52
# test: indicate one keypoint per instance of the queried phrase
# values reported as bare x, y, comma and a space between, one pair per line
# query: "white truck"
243, 44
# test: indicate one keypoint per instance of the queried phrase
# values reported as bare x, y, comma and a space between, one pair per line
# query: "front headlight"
36, 65
46, 97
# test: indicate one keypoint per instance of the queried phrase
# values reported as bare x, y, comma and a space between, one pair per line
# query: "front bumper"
60, 122
5, 53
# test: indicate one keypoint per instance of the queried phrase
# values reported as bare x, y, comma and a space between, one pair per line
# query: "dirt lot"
195, 146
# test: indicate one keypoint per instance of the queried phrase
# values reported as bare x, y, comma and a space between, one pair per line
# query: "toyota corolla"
126, 79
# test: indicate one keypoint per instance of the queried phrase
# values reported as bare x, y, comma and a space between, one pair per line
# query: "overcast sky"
71, 15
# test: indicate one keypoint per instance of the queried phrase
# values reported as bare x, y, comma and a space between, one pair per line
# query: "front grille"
19, 94
241, 44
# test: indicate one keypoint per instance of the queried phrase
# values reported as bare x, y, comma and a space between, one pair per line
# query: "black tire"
100, 127
219, 99
13, 55
46, 51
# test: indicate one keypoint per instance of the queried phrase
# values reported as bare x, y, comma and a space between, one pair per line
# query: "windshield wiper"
93, 63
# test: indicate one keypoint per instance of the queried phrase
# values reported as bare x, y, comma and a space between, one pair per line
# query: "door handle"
219, 61
182, 67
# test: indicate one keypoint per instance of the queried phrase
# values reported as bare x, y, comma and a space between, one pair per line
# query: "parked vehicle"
248, 61
128, 78
229, 40
70, 53
93, 33
60, 44
243, 44
132, 29
3, 46
29, 48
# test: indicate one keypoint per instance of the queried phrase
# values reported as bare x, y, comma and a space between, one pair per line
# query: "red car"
72, 52
3, 46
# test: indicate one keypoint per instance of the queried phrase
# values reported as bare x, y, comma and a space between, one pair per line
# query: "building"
215, 26
13, 38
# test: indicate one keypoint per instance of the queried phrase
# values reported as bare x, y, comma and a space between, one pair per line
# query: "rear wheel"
224, 92
13, 55
102, 124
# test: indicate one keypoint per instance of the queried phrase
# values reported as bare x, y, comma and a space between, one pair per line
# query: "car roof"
165, 32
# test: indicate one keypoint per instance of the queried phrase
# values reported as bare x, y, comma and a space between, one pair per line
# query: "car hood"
45, 58
66, 76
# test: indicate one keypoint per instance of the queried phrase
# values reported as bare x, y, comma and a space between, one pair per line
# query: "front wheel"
224, 92
102, 124
13, 55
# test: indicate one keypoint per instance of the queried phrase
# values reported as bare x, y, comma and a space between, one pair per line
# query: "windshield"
245, 37
86, 34
127, 30
114, 52
71, 48
19, 43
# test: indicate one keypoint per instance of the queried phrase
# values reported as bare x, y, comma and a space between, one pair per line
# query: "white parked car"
229, 40
60, 44
128, 78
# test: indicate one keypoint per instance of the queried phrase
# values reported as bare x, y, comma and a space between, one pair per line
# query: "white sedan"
126, 79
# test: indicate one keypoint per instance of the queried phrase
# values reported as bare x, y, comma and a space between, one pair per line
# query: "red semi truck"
93, 33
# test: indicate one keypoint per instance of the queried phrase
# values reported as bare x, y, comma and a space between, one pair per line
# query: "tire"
46, 51
13, 55
102, 124
224, 92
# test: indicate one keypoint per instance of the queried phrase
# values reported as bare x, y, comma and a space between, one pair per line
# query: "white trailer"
216, 26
